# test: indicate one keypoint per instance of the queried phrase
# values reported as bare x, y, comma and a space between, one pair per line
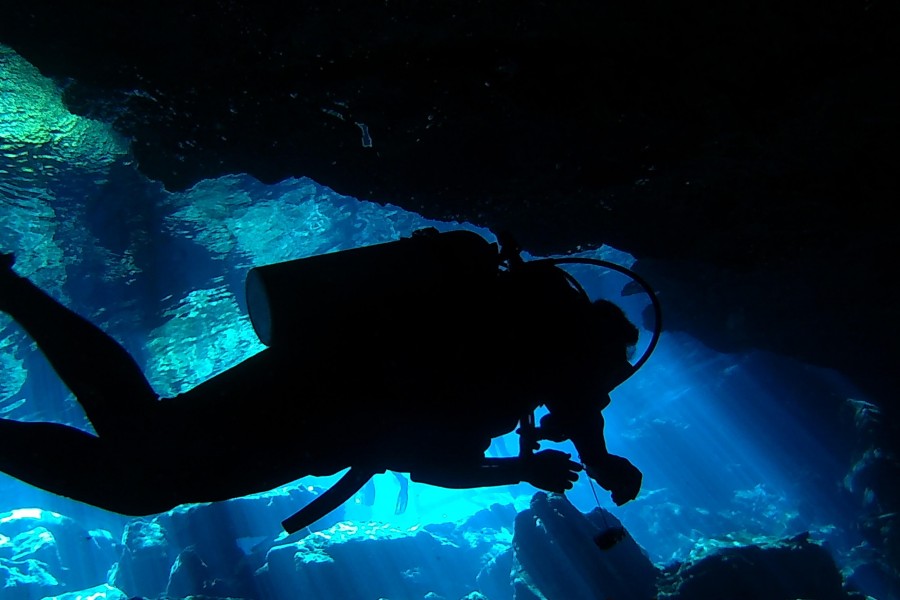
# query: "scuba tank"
318, 303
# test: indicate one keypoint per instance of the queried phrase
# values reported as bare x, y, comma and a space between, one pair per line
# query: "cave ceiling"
742, 152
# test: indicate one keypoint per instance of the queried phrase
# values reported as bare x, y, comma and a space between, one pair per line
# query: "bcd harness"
273, 311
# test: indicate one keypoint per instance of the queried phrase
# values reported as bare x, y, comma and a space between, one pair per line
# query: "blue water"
730, 452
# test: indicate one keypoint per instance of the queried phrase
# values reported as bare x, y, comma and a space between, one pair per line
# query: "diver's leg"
104, 378
69, 462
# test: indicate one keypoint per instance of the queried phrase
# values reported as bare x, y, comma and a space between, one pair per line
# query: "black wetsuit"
421, 396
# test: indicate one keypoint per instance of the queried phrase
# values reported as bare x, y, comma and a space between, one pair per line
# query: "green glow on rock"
32, 114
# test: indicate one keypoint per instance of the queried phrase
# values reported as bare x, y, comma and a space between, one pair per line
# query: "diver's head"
616, 336
613, 340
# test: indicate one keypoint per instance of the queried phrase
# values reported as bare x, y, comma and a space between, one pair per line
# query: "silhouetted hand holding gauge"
551, 470
619, 476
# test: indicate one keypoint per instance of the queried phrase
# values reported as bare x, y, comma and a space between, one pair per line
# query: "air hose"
654, 300
510, 257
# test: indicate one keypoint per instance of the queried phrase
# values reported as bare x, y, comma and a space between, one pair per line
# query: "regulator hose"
654, 300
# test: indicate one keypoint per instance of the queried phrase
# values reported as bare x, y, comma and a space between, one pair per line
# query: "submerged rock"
199, 548
873, 579
44, 553
145, 562
371, 561
556, 555
98, 592
780, 570
26, 579
494, 577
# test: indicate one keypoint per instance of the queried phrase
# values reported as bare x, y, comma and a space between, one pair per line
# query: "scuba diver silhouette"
368, 386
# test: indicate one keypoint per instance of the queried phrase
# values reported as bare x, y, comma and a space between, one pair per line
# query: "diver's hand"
550, 429
619, 476
551, 470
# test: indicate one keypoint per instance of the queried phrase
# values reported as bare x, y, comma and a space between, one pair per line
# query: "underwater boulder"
104, 591
488, 533
211, 525
779, 570
494, 577
26, 579
38, 544
874, 480
190, 576
874, 579
44, 541
369, 561
229, 538
557, 555
147, 558
497, 515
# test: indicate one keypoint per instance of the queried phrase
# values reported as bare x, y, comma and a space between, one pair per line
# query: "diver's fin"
402, 498
329, 500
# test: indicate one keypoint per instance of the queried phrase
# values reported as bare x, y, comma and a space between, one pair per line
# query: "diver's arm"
583, 423
549, 470
488, 472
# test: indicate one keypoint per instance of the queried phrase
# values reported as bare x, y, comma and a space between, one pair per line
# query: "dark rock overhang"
743, 153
